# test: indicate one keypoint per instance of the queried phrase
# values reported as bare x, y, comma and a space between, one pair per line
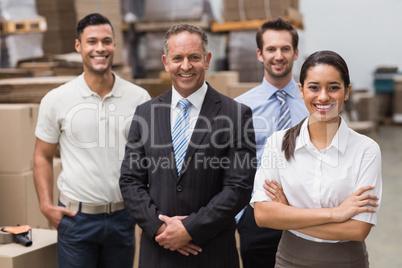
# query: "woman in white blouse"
320, 181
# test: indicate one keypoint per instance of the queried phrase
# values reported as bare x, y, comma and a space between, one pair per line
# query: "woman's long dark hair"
324, 57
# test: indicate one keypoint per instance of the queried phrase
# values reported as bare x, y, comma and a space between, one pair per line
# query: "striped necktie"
284, 121
180, 134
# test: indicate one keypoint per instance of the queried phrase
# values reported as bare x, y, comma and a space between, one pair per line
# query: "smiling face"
324, 93
186, 62
277, 55
96, 46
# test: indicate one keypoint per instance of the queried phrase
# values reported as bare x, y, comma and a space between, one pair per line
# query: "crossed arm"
324, 223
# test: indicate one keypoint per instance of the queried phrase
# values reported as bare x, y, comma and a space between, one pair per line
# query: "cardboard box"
236, 89
384, 105
364, 103
174, 10
397, 100
220, 80
154, 86
19, 201
17, 138
42, 253
242, 56
29, 90
61, 24
368, 128
235, 10
295, 4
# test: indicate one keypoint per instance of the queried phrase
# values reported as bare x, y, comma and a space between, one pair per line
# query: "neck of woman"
322, 132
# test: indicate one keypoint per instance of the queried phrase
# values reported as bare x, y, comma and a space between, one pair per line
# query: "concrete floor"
384, 243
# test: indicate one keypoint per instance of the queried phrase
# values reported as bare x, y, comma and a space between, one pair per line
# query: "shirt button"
179, 188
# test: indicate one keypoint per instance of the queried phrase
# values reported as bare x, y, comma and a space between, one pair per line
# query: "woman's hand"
275, 191
358, 202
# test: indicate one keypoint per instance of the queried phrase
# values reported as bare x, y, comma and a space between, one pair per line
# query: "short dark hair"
186, 27
277, 24
91, 19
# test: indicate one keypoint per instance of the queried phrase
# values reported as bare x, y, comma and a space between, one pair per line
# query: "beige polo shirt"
92, 133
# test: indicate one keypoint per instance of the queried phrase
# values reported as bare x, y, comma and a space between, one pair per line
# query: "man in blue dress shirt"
277, 42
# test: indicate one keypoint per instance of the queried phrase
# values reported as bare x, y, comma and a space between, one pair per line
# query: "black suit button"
179, 188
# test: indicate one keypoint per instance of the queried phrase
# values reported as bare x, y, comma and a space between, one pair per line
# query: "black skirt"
297, 252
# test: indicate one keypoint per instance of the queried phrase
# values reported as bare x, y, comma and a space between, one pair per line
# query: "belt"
88, 208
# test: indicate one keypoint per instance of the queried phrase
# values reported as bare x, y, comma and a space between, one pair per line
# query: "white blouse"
321, 179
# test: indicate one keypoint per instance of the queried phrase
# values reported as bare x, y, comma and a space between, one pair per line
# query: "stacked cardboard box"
368, 128
240, 10
235, 10
174, 10
221, 81
110, 9
61, 20
242, 56
384, 106
17, 139
238, 88
154, 86
294, 4
397, 100
152, 45
364, 103
360, 113
29, 90
18, 199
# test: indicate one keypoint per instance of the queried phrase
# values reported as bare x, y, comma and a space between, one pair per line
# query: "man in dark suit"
186, 209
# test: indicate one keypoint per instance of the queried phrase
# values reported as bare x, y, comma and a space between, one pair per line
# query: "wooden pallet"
247, 25
23, 26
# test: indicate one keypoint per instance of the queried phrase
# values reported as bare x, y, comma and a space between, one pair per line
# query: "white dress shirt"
321, 179
196, 99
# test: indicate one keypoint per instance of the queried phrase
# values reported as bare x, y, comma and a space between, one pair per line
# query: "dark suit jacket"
215, 183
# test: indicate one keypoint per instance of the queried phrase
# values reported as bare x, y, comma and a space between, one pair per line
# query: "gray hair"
185, 27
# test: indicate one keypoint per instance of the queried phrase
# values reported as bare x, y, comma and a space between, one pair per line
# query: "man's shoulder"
62, 92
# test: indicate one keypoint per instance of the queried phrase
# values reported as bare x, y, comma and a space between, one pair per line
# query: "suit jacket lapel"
209, 110
162, 128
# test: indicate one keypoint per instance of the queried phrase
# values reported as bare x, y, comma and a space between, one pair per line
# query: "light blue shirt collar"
290, 89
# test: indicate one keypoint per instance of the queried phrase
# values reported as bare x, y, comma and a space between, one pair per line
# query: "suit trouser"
96, 240
258, 245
